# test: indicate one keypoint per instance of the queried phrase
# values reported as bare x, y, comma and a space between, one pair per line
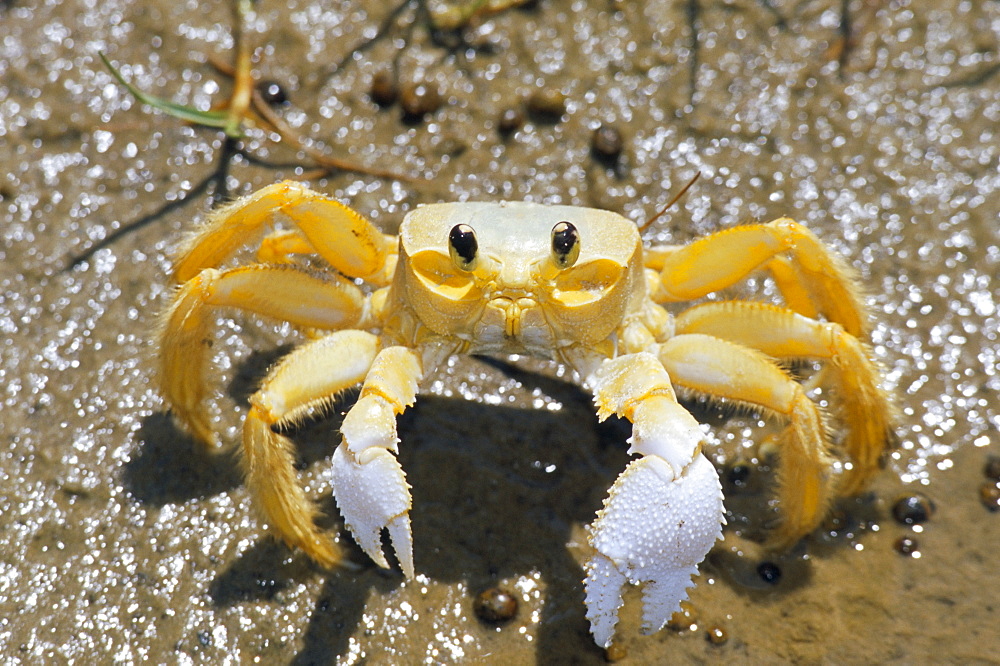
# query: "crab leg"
280, 292
663, 513
341, 236
813, 279
369, 484
780, 333
307, 379
278, 246
727, 370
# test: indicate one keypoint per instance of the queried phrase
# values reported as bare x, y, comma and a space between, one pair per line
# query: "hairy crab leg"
813, 279
369, 484
727, 370
664, 512
306, 380
868, 413
303, 298
341, 236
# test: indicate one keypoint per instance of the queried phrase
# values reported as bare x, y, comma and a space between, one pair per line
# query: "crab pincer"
372, 494
654, 529
663, 513
369, 483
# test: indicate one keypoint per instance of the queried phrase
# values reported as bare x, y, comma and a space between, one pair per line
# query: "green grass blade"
219, 119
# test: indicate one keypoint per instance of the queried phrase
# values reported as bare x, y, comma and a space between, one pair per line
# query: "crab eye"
565, 244
463, 246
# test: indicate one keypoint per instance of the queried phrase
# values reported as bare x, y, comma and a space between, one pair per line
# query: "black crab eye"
565, 244
463, 246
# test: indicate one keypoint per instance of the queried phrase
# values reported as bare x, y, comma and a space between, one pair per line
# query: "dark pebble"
510, 120
607, 143
384, 90
547, 104
906, 545
716, 635
769, 572
912, 509
272, 92
989, 495
992, 468
684, 619
420, 99
495, 605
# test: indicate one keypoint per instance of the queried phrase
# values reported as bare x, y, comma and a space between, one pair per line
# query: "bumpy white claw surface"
372, 494
654, 530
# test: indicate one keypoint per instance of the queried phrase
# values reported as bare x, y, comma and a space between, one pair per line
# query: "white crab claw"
372, 494
653, 529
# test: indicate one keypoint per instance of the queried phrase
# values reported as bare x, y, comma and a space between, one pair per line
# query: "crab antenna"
672, 202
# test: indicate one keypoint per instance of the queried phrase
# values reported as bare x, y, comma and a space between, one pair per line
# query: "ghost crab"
571, 284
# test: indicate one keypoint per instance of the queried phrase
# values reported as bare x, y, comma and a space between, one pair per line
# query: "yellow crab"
570, 284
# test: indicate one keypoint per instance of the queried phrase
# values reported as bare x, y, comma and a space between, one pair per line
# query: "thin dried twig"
676, 198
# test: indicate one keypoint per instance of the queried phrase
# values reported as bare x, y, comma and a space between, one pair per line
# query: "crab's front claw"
654, 529
372, 494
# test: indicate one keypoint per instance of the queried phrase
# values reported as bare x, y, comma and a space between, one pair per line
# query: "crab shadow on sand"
169, 466
496, 493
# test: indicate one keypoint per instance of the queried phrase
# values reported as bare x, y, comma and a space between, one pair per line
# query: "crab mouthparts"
513, 309
513, 323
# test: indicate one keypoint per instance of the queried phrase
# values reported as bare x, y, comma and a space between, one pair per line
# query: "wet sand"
121, 541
